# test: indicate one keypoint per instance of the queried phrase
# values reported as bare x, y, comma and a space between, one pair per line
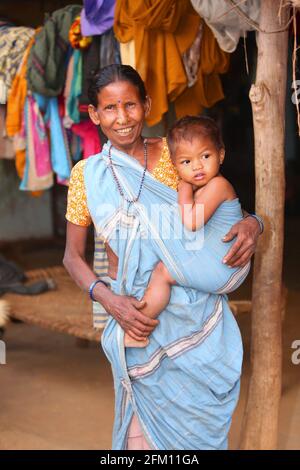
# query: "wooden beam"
260, 424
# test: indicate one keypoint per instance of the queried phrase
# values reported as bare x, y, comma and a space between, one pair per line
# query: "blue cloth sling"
184, 386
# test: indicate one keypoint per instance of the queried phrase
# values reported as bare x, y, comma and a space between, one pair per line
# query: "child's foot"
133, 343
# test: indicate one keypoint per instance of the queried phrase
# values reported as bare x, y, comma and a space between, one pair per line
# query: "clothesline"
46, 95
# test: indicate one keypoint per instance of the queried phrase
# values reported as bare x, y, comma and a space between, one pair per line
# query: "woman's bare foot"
133, 343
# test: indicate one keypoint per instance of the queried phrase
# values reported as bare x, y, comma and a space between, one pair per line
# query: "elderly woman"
180, 391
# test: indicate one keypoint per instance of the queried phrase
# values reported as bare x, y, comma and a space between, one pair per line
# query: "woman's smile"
124, 131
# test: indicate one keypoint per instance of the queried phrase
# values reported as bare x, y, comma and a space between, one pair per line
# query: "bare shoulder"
219, 185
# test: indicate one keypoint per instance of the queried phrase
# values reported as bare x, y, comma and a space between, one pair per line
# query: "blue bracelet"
259, 220
91, 288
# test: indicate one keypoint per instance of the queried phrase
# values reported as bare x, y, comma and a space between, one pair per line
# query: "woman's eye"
130, 105
109, 107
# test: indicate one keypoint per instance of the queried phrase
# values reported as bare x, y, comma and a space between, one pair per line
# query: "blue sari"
184, 386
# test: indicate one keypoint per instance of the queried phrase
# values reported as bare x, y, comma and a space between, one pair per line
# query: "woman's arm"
124, 309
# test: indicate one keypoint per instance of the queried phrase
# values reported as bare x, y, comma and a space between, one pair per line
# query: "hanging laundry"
47, 59
20, 147
38, 173
226, 24
104, 50
90, 65
208, 89
60, 158
13, 43
97, 16
162, 31
109, 49
77, 40
127, 51
6, 143
73, 93
89, 135
191, 58
17, 95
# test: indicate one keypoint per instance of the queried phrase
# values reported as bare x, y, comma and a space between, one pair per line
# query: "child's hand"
183, 184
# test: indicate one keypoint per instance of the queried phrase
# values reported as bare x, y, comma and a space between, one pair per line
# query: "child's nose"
197, 165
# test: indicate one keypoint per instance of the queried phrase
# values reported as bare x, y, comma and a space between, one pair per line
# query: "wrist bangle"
259, 220
92, 286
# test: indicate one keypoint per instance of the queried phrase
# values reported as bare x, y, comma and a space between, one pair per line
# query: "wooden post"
260, 425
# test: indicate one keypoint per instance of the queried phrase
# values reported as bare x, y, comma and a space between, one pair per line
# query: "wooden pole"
267, 95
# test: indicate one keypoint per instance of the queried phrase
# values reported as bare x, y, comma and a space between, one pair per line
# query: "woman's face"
120, 113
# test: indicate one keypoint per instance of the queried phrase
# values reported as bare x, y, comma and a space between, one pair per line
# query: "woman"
183, 400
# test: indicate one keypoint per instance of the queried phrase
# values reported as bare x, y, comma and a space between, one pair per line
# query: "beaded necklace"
135, 199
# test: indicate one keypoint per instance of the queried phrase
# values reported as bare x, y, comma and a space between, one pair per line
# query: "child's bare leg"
157, 296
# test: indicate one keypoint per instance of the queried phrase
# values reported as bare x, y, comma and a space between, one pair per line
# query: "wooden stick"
260, 423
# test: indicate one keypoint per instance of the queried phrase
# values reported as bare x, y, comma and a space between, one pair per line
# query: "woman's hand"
246, 232
125, 311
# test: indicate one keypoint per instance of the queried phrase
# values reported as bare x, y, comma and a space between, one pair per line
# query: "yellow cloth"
77, 209
127, 52
162, 30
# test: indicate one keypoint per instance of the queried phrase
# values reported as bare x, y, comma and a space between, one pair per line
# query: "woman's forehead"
119, 91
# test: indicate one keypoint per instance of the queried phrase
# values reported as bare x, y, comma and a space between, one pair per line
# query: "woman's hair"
189, 127
111, 74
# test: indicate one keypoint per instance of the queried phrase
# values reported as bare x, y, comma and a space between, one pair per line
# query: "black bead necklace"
135, 199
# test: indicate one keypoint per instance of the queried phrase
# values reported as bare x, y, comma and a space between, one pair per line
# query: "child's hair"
189, 127
111, 74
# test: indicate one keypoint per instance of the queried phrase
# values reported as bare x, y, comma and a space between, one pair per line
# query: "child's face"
197, 161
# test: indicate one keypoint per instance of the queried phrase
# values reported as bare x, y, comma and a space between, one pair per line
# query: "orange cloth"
162, 31
15, 106
208, 89
17, 95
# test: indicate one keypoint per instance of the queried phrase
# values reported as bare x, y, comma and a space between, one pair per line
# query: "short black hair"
111, 74
189, 127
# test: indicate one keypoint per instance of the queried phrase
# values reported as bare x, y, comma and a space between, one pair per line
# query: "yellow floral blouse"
77, 210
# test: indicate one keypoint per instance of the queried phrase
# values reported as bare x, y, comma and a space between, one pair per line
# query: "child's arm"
210, 197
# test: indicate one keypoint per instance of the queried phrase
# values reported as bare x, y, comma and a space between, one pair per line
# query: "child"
197, 151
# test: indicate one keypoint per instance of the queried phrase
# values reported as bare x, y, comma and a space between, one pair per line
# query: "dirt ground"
56, 395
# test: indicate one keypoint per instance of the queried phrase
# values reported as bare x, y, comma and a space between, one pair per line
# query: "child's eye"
205, 156
185, 162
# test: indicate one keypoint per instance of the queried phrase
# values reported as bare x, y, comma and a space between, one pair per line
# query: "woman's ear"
93, 114
147, 105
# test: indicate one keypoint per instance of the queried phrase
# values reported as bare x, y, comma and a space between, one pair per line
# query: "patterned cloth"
184, 386
13, 43
47, 59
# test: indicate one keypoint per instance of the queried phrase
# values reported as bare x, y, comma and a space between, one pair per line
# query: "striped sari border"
178, 347
235, 279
